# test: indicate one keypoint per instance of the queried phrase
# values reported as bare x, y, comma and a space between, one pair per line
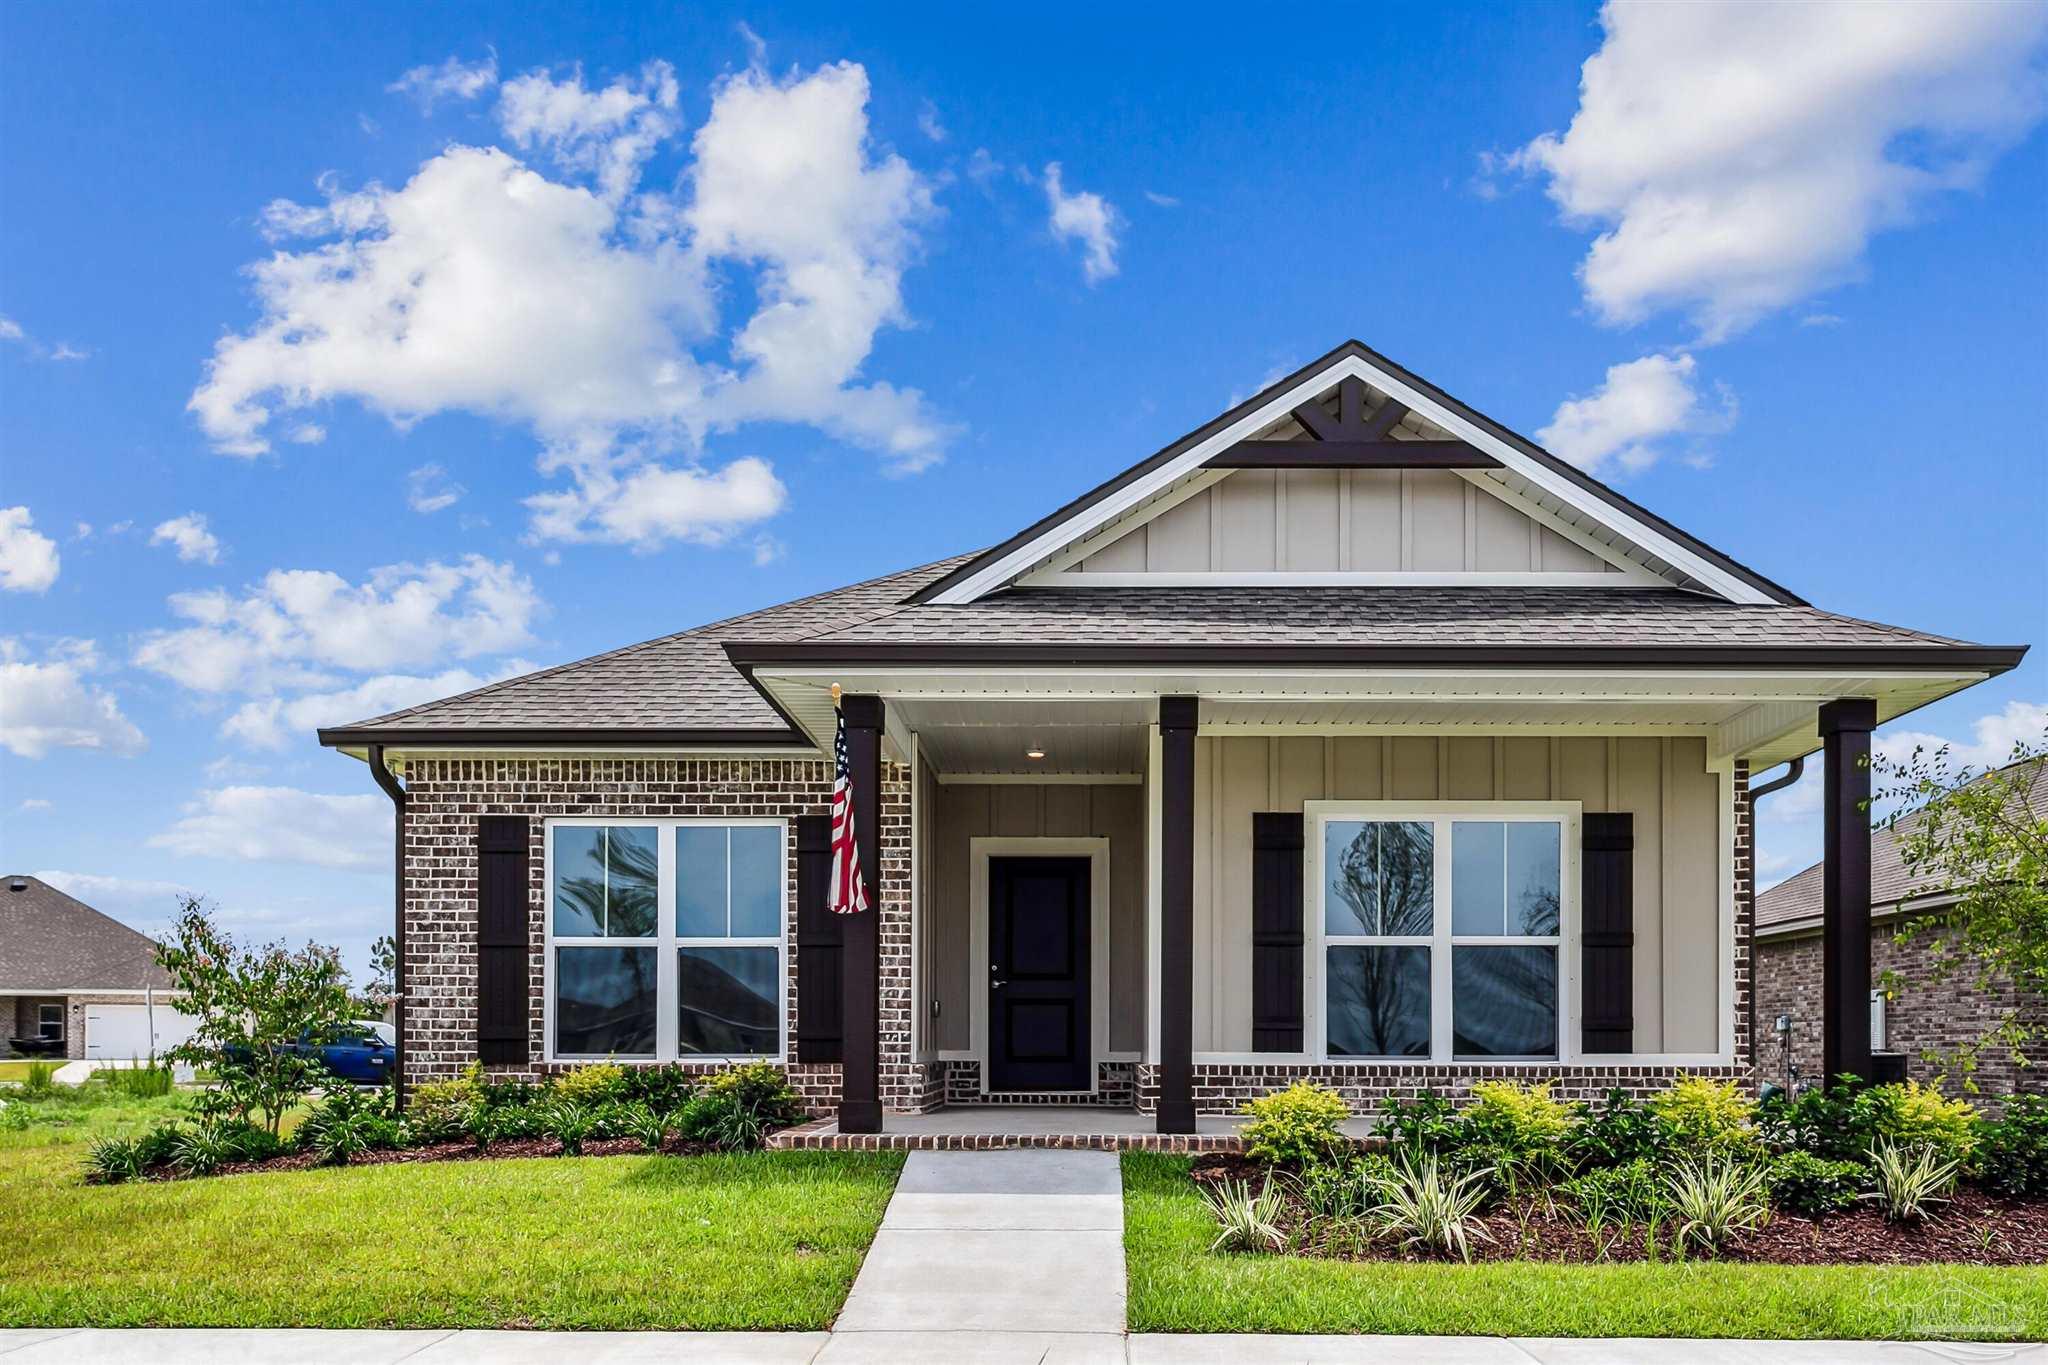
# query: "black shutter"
1276, 931
819, 1022
1607, 935
504, 952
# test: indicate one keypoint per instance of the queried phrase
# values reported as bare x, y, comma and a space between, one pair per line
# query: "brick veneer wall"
445, 797
1923, 1015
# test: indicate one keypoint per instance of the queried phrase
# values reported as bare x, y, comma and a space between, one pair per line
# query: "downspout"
397, 794
1793, 772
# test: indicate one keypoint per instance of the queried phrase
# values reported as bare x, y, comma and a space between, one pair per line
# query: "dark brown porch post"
860, 1103
1178, 718
1845, 728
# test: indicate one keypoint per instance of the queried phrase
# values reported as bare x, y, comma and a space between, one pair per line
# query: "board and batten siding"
1304, 520
961, 813
1662, 781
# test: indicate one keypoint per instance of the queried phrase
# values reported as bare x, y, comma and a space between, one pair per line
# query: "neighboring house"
1351, 736
75, 983
1923, 1014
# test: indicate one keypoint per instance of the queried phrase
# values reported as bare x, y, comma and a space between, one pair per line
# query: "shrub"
1804, 1183
1426, 1123
569, 1123
1910, 1115
1632, 1192
509, 1094
347, 1123
153, 1148
1251, 1222
14, 1117
761, 1089
1705, 1117
1296, 1126
1425, 1205
2012, 1152
1717, 1197
206, 1147
41, 1079
110, 1161
644, 1124
1909, 1181
663, 1089
590, 1085
439, 1111
1344, 1189
1519, 1117
1617, 1131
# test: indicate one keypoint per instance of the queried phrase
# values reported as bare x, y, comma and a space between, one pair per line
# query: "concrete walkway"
997, 1256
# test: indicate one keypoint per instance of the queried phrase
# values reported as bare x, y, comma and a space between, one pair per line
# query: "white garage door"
119, 1032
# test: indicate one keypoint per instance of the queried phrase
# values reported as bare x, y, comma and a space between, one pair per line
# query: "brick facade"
1923, 1015
445, 797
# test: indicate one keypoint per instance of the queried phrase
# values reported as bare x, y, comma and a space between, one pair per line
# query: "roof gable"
1446, 435
58, 943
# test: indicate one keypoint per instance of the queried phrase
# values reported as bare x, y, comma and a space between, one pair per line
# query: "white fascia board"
1556, 485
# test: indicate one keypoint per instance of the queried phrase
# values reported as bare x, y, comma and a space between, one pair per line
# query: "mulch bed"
1972, 1229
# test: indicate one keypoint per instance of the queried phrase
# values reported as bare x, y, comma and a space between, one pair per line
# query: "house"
1922, 1014
1351, 736
76, 983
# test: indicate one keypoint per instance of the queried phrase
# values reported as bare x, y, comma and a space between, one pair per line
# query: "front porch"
1176, 950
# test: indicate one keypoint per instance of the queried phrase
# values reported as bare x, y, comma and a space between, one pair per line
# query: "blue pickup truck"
362, 1052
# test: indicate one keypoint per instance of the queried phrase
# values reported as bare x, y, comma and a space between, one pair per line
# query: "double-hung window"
665, 939
1443, 928
50, 1023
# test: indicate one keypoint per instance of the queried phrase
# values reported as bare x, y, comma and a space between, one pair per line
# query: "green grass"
18, 1070
1177, 1286
768, 1240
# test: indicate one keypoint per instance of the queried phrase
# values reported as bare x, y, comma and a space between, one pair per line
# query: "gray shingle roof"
1795, 903
685, 682
53, 942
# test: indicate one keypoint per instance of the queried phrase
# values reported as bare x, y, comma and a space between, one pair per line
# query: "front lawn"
16, 1070
1177, 1285
763, 1240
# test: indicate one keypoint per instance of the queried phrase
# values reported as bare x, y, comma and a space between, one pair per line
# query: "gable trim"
997, 567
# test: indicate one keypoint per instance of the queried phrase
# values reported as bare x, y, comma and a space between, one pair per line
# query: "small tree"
253, 1005
1980, 841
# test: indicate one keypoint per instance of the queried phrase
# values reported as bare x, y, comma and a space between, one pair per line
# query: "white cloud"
12, 331
1991, 741
452, 79
273, 722
33, 803
607, 133
429, 489
49, 703
283, 824
587, 310
299, 625
28, 559
64, 350
928, 122
983, 168
194, 543
133, 899
1737, 158
1087, 218
1164, 201
1639, 404
649, 504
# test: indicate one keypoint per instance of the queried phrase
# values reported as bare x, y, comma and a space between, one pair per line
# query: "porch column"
860, 1102
1178, 718
1845, 728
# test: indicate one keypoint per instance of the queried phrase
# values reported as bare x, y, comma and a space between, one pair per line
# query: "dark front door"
1038, 974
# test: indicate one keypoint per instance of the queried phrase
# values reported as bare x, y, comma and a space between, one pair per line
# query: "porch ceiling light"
1035, 752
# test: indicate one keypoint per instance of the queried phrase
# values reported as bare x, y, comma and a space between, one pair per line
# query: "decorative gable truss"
1353, 472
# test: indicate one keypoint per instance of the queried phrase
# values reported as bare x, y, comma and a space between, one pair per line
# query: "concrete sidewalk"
195, 1346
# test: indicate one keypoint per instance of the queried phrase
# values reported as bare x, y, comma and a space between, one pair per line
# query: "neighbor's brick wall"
1921, 1016
447, 795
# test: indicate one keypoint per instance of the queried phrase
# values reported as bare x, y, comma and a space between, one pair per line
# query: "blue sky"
352, 355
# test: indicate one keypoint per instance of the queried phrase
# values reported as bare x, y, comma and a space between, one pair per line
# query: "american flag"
849, 892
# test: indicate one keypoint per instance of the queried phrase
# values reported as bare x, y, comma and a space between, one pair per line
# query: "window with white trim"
665, 939
1442, 929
